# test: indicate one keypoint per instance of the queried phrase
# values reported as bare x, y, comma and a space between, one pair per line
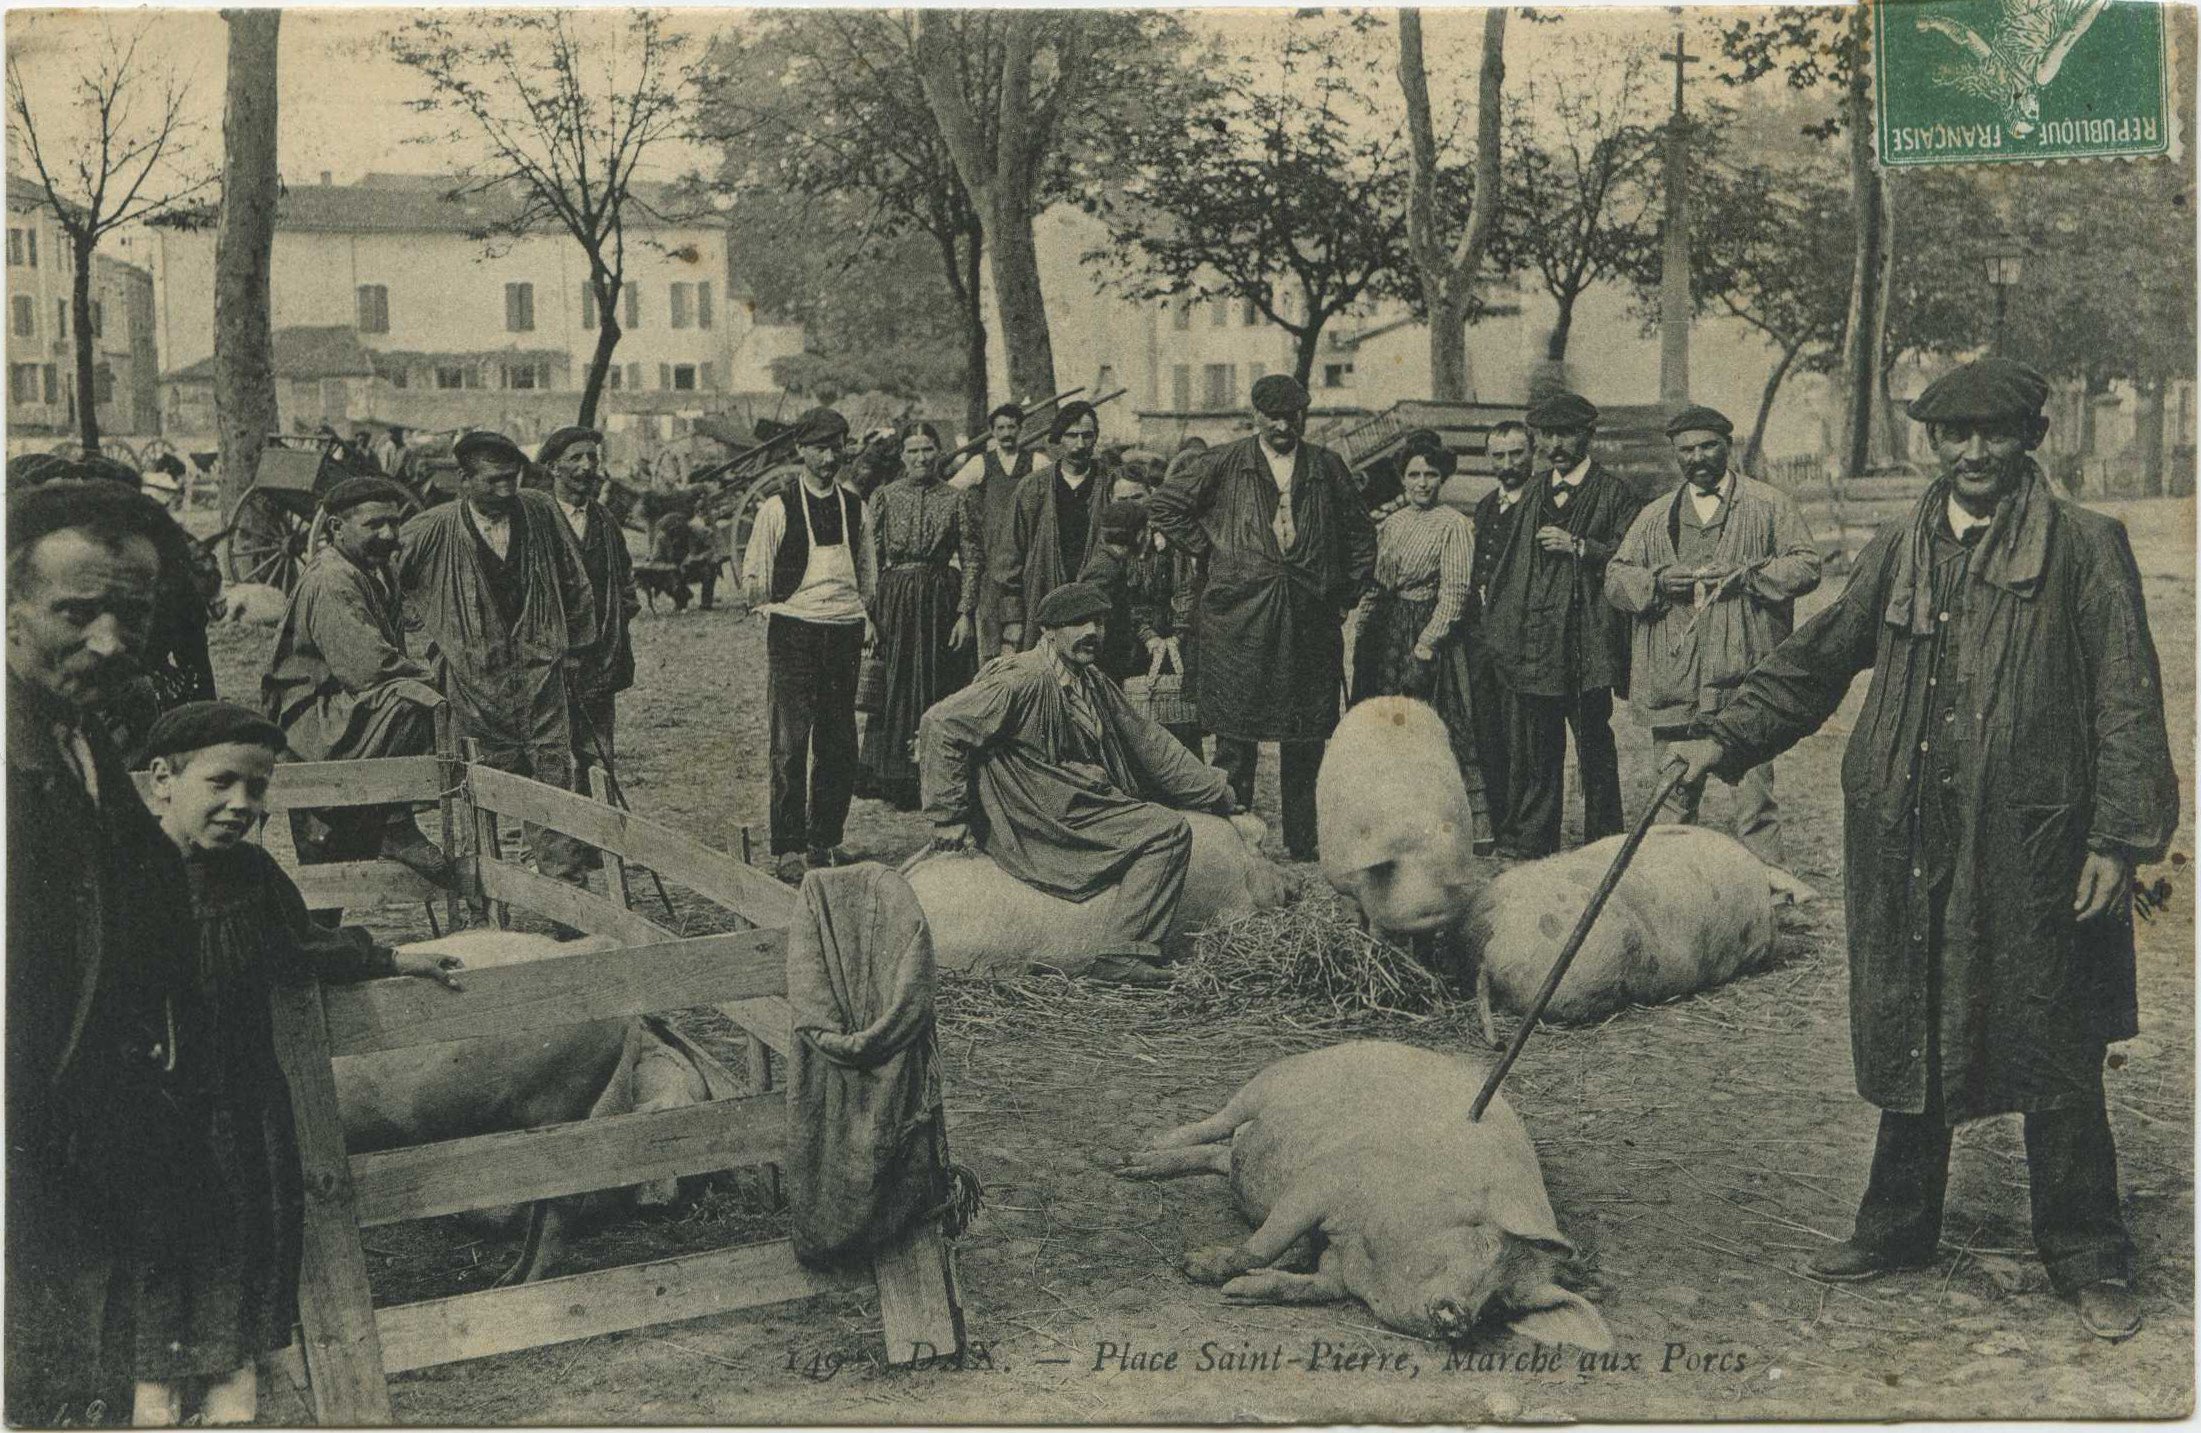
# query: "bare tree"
244, 248
568, 104
1448, 273
125, 159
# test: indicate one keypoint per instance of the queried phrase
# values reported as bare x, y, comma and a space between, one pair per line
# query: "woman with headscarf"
1409, 643
924, 608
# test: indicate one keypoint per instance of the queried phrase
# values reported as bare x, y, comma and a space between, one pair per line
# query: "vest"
793, 556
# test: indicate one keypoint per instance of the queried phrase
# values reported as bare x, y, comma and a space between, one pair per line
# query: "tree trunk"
80, 314
1555, 348
1017, 293
244, 340
1304, 344
1861, 337
1448, 278
964, 265
2148, 434
608, 334
1753, 453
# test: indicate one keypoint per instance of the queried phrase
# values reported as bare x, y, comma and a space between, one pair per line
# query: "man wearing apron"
810, 572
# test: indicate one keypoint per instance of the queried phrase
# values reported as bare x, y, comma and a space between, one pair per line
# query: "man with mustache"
1559, 648
1054, 525
1710, 578
1044, 765
574, 457
995, 475
343, 687
2008, 770
1508, 449
495, 583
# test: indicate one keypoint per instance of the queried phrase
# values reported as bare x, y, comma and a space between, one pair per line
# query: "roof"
25, 191
422, 203
300, 353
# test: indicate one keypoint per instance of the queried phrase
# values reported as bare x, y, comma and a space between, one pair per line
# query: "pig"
1361, 1157
1694, 909
253, 604
986, 922
1392, 818
420, 1095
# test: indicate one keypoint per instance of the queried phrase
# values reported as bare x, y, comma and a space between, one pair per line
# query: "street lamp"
2005, 263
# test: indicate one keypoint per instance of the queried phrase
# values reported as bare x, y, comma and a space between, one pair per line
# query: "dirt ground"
1697, 1150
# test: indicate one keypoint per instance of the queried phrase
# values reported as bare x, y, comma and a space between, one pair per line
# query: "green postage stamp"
1984, 81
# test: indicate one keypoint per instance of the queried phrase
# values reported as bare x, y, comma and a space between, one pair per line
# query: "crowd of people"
2008, 770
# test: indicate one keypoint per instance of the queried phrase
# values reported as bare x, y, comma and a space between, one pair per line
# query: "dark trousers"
1536, 781
1298, 763
810, 685
1491, 711
354, 833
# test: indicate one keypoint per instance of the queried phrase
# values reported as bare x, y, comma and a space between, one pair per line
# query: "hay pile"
1312, 960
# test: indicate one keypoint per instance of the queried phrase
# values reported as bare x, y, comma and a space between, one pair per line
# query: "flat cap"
1697, 418
110, 509
820, 428
1123, 517
1276, 394
1072, 603
484, 445
1984, 391
1070, 413
194, 726
554, 446
351, 492
1562, 412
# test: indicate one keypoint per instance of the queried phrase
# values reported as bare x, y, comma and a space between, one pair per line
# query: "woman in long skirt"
923, 610
1409, 643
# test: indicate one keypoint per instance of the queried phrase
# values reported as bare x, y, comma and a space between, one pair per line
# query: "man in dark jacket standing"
1508, 450
1560, 651
100, 1030
1289, 549
995, 475
1054, 525
2008, 770
605, 668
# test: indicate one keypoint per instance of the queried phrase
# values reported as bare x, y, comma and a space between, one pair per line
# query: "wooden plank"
450, 783
576, 906
343, 1350
919, 1306
337, 884
515, 1166
643, 842
615, 866
378, 782
768, 1017
694, 1286
559, 990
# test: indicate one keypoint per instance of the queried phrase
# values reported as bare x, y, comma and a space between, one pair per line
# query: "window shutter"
30, 244
61, 317
681, 294
634, 375
634, 306
703, 313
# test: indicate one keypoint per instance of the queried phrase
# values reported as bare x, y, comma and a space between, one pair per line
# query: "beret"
1123, 516
555, 445
109, 509
484, 445
195, 726
1072, 603
1562, 412
1426, 444
1989, 389
820, 428
351, 492
1698, 418
1276, 394
1007, 410
1070, 413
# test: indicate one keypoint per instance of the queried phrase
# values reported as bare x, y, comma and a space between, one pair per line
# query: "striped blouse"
1423, 553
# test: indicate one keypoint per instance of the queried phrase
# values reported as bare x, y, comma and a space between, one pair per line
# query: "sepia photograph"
1014, 716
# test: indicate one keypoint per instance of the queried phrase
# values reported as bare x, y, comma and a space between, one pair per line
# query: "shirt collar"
1961, 521
1573, 479
1725, 492
1507, 499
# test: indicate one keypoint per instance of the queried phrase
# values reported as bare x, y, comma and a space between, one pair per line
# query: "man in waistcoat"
996, 473
1508, 449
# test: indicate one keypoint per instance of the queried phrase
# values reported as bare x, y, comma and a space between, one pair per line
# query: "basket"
871, 685
1162, 696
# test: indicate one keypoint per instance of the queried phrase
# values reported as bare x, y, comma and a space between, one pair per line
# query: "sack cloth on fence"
867, 1146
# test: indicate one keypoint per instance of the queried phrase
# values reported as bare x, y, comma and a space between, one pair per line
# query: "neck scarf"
2013, 555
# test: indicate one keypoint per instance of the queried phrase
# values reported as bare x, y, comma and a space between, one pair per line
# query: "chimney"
326, 176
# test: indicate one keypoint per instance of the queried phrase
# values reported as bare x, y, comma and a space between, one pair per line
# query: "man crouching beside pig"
2008, 769
1043, 764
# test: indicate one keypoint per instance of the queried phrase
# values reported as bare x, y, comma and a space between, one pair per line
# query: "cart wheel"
268, 543
743, 513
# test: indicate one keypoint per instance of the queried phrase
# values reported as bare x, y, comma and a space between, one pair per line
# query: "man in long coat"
1054, 526
2008, 770
341, 684
1710, 578
1559, 649
100, 1036
575, 459
1508, 450
995, 475
1288, 550
494, 582
1043, 764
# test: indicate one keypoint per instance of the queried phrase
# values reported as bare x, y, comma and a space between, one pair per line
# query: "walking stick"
619, 798
1574, 944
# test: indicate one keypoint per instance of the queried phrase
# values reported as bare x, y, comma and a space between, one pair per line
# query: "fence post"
488, 843
343, 1349
450, 776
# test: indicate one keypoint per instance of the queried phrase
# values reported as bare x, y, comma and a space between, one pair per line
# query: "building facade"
42, 372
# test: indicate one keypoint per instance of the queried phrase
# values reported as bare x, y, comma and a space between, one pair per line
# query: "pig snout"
1407, 896
1450, 1320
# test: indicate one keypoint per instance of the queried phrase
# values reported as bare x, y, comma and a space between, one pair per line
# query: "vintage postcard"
1100, 716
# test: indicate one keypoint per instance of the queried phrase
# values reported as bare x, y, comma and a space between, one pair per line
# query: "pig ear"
1552, 1315
1787, 887
1529, 1217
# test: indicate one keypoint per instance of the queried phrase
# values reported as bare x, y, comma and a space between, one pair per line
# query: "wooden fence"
349, 1347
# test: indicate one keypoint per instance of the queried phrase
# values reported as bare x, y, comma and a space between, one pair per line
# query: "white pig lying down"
1361, 1160
629, 1065
1392, 817
986, 922
1694, 909
254, 604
